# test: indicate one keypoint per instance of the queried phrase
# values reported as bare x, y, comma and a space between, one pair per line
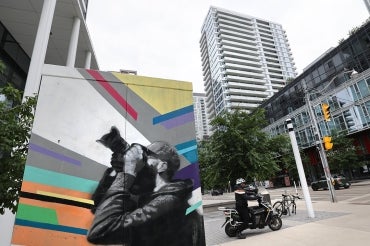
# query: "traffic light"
327, 143
349, 120
326, 111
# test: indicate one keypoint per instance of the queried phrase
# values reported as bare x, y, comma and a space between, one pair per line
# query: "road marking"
356, 198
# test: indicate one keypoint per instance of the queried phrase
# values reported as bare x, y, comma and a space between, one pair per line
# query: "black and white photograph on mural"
137, 201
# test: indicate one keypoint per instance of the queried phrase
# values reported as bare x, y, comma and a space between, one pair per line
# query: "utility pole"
320, 148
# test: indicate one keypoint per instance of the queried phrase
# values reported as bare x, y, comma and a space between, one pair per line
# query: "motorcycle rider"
242, 195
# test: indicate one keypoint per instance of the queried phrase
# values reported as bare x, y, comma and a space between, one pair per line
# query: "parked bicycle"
286, 206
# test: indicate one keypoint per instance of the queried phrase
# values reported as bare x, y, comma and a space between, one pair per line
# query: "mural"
112, 160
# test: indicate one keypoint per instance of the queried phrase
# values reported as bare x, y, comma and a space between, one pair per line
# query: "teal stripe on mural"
186, 144
182, 151
193, 207
191, 156
47, 177
47, 226
173, 114
188, 150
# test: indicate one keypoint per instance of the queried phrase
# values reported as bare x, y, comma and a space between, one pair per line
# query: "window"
363, 87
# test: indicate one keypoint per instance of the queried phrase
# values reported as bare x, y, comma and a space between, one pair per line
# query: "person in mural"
142, 204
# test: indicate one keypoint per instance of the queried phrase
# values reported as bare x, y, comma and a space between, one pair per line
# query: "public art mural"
112, 160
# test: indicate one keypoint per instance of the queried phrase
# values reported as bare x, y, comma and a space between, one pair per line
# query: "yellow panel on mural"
159, 93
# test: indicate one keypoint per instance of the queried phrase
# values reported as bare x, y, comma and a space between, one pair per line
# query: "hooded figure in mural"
138, 203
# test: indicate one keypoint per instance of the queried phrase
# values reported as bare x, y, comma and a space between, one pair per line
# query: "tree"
282, 148
238, 148
343, 156
16, 118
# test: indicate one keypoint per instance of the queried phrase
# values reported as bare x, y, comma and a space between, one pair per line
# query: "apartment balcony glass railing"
241, 56
245, 79
251, 91
246, 72
259, 88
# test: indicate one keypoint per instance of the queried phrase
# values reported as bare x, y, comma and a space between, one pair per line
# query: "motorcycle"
263, 215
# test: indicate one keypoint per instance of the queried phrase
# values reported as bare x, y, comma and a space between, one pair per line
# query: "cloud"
161, 38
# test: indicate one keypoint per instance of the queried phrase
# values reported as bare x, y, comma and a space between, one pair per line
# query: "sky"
160, 38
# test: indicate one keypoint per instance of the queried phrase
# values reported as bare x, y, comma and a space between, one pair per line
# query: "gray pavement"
341, 223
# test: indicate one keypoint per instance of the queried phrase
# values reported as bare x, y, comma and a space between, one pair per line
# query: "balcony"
244, 41
228, 54
246, 86
231, 61
243, 105
245, 72
247, 65
237, 50
233, 44
241, 98
245, 80
249, 90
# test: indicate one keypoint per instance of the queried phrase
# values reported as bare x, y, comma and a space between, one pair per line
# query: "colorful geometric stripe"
45, 151
47, 177
33, 187
163, 95
37, 214
193, 207
71, 198
67, 215
48, 226
173, 114
178, 121
190, 172
107, 86
53, 199
188, 150
23, 235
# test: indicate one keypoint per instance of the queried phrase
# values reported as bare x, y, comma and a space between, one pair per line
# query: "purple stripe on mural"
178, 121
190, 172
44, 151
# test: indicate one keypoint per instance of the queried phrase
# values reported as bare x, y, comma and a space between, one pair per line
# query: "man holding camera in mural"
141, 204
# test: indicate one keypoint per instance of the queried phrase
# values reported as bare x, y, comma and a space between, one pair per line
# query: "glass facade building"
328, 80
245, 60
15, 61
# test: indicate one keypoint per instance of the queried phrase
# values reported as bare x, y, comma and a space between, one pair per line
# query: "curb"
214, 206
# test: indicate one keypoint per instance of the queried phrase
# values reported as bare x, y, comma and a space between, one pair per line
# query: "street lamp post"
318, 137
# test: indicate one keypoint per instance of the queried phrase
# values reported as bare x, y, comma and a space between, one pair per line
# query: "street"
358, 193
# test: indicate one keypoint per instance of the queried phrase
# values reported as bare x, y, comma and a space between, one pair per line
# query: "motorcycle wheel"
278, 206
230, 230
275, 223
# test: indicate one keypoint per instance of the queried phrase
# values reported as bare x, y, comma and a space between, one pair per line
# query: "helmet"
240, 180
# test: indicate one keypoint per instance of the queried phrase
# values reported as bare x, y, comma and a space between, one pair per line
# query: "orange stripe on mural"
36, 187
67, 215
33, 236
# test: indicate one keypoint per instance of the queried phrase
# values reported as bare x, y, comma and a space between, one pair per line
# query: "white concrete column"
88, 60
39, 48
72, 49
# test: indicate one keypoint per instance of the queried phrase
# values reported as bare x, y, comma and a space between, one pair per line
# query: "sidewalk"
340, 223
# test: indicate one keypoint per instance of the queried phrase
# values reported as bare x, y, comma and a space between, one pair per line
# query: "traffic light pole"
321, 149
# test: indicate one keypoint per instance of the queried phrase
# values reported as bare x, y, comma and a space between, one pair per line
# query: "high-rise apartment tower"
200, 116
245, 60
367, 3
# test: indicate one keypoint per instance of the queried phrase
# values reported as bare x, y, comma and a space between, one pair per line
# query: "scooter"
263, 215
